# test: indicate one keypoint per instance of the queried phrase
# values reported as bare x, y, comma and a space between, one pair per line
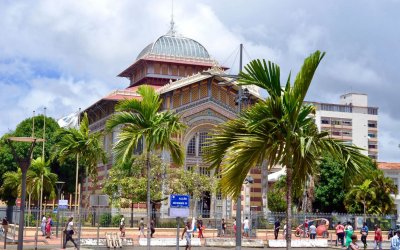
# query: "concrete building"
351, 120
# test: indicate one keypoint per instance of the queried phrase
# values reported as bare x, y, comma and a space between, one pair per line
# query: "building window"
325, 120
218, 196
346, 133
203, 141
190, 168
372, 124
336, 133
204, 171
371, 135
372, 146
191, 148
346, 122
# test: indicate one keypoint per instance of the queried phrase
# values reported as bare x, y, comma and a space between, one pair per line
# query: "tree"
142, 120
24, 128
279, 129
276, 200
38, 169
127, 180
377, 195
182, 181
363, 194
331, 188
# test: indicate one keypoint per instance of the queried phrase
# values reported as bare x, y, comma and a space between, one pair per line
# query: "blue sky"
64, 55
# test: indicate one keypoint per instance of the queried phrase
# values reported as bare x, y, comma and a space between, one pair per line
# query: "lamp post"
24, 163
59, 186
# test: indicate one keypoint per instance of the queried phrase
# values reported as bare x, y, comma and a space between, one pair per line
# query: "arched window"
196, 144
191, 148
203, 138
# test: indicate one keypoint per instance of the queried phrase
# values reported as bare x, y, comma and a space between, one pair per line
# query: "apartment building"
351, 121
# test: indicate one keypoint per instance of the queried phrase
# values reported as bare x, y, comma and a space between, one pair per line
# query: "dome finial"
172, 23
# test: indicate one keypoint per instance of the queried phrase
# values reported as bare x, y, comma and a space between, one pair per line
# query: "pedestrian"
348, 230
187, 232
246, 227
152, 228
199, 226
69, 231
122, 226
49, 224
223, 227
313, 231
378, 238
284, 231
305, 228
277, 226
340, 233
4, 225
353, 244
43, 225
141, 227
234, 225
364, 234
395, 241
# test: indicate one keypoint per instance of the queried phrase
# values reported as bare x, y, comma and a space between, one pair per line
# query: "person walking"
348, 230
395, 241
43, 225
378, 238
234, 225
313, 231
49, 224
223, 227
199, 226
122, 226
152, 228
353, 244
340, 234
141, 227
187, 232
246, 227
69, 231
364, 234
277, 226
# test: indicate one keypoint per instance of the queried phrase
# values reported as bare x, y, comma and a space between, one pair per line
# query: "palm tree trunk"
289, 207
148, 199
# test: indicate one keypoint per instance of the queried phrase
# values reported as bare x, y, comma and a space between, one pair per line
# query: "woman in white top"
69, 231
43, 225
187, 232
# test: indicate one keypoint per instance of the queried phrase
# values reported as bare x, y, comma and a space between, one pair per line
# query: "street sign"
179, 201
63, 204
179, 212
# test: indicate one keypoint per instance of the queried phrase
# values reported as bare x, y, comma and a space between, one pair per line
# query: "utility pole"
239, 200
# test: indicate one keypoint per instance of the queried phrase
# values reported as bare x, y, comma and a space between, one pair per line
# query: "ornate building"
190, 83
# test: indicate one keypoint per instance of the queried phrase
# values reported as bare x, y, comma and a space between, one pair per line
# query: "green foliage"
182, 181
87, 145
128, 180
374, 193
330, 189
24, 129
276, 201
105, 220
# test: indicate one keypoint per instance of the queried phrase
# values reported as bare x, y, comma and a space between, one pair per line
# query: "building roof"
389, 165
216, 72
175, 46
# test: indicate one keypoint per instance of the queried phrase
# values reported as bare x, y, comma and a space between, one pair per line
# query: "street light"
59, 186
24, 163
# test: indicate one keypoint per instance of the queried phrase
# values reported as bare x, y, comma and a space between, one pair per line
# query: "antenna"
172, 23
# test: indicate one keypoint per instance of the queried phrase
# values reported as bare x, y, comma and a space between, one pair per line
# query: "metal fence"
110, 218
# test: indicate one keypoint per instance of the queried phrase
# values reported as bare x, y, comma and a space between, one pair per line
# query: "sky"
65, 55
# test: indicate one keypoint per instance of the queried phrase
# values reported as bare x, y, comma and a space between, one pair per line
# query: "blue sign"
177, 200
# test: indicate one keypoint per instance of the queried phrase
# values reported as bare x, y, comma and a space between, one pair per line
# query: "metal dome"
175, 46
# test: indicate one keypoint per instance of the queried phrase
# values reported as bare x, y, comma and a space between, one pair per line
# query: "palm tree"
34, 178
141, 120
82, 144
280, 130
363, 194
12, 182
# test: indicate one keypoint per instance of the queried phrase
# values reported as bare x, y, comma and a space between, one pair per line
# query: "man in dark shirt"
277, 226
